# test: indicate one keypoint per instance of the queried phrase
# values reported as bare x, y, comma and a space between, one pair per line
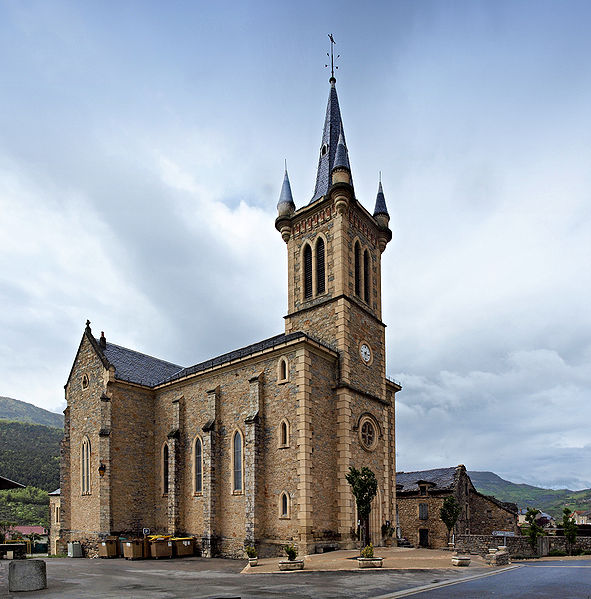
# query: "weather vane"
332, 65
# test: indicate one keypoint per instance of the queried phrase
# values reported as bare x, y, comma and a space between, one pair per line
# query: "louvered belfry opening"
320, 276
307, 272
366, 276
357, 269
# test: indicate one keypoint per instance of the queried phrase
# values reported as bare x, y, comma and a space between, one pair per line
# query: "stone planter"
288, 566
370, 562
460, 560
253, 561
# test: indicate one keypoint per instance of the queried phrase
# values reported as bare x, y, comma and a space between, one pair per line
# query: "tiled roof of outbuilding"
135, 367
442, 478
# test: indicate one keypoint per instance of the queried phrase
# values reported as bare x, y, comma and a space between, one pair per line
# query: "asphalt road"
568, 579
198, 578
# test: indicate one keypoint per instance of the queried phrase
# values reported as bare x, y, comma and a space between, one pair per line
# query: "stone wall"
487, 516
411, 524
518, 545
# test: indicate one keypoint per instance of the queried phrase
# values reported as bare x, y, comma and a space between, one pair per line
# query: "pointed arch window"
284, 505
198, 465
237, 467
366, 276
307, 272
282, 370
284, 433
85, 454
165, 469
357, 251
85, 381
320, 269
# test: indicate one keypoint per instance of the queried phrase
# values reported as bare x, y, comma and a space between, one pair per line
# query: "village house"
420, 496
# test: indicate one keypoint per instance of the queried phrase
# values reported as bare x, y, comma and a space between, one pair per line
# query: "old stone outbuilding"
251, 446
420, 496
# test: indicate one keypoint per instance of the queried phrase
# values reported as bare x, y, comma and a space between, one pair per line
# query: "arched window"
237, 463
165, 469
307, 272
284, 505
366, 276
320, 270
85, 466
85, 381
198, 465
357, 269
284, 433
282, 370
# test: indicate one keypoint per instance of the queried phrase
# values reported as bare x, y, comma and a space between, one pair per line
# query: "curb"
438, 585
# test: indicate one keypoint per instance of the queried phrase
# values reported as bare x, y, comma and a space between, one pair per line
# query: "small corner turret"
285, 209
382, 217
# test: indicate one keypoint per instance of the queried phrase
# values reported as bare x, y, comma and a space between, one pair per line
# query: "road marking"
532, 566
438, 585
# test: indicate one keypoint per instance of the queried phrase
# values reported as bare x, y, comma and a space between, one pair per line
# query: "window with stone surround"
423, 511
284, 505
165, 469
307, 272
198, 467
357, 260
423, 490
284, 433
366, 276
368, 433
85, 381
85, 455
320, 269
282, 370
57, 514
237, 463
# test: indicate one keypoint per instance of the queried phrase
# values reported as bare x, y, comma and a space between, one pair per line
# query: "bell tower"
334, 248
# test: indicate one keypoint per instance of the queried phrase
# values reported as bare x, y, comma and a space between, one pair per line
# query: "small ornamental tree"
570, 528
534, 530
5, 527
364, 487
449, 513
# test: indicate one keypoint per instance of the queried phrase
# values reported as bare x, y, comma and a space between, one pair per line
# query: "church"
250, 447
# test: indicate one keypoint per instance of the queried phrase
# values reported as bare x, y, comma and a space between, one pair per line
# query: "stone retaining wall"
517, 546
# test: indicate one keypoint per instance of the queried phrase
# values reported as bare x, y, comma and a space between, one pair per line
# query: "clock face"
365, 353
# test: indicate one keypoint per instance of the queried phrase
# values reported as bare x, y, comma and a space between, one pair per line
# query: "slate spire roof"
285, 205
341, 159
380, 202
333, 129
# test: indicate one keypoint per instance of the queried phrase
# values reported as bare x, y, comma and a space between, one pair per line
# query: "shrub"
250, 551
367, 551
291, 552
556, 553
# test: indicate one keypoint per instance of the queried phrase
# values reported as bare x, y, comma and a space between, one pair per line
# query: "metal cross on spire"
332, 65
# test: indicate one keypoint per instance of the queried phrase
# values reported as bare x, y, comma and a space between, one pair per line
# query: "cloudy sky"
141, 159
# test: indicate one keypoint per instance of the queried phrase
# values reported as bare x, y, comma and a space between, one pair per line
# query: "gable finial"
332, 59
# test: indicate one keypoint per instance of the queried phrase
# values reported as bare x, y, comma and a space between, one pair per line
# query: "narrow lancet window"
198, 466
237, 457
366, 276
165, 469
320, 270
357, 269
85, 466
307, 272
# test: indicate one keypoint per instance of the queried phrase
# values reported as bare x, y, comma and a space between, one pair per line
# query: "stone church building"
253, 445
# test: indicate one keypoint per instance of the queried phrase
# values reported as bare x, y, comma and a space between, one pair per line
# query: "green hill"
21, 411
547, 500
29, 454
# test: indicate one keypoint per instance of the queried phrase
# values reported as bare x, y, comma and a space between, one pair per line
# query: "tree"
534, 530
5, 526
570, 528
364, 487
449, 513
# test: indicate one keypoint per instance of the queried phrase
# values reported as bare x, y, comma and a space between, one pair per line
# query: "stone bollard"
27, 575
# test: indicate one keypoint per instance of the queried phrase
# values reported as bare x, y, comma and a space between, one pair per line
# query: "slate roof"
237, 354
285, 205
442, 478
135, 367
380, 207
333, 127
6, 483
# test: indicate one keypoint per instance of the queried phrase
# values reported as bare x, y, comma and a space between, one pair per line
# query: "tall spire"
333, 130
381, 203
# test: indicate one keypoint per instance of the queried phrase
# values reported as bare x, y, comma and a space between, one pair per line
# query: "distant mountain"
21, 411
551, 501
30, 454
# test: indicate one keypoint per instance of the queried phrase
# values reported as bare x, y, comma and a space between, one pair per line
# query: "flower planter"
460, 560
289, 565
370, 562
253, 561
